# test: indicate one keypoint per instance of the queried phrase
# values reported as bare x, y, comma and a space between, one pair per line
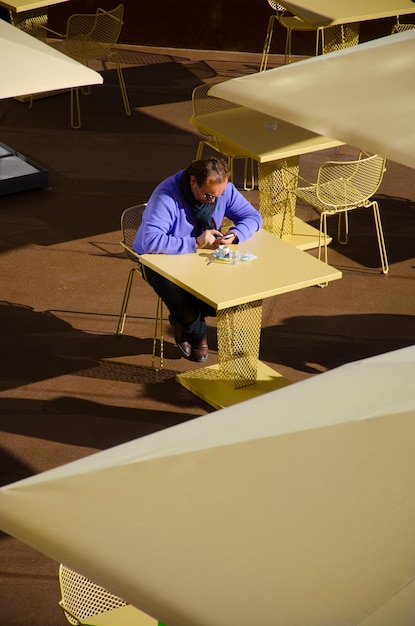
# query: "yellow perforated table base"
277, 202
208, 384
239, 375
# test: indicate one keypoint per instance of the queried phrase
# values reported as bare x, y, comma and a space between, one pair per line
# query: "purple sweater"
167, 224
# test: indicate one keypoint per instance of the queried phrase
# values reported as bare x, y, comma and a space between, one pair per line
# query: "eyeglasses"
210, 196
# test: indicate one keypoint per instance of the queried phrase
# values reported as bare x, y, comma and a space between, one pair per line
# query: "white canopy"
31, 66
292, 509
363, 95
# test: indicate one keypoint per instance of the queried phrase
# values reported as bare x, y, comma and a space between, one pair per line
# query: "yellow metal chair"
202, 104
83, 601
332, 38
89, 37
130, 222
290, 23
341, 187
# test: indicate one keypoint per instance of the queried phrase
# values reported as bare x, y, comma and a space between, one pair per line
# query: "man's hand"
208, 239
225, 239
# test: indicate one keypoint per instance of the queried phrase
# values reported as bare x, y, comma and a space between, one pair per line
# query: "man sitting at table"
183, 214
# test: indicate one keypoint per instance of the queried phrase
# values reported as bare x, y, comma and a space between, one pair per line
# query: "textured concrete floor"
68, 386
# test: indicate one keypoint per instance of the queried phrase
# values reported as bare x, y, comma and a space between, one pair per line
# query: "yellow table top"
330, 12
278, 268
317, 94
126, 615
253, 132
19, 6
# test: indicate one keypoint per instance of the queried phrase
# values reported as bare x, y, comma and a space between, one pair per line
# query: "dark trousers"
185, 309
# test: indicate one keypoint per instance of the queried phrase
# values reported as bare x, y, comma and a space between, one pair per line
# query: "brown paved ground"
68, 386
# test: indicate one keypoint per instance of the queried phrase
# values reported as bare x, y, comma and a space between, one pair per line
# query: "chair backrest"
130, 221
90, 36
276, 6
203, 103
83, 598
343, 183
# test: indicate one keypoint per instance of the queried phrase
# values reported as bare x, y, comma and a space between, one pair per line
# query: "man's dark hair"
210, 168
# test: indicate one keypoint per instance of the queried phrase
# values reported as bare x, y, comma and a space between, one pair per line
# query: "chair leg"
318, 40
158, 331
322, 241
251, 176
158, 323
75, 114
267, 43
381, 240
323, 40
231, 168
122, 84
200, 149
322, 237
123, 312
287, 58
343, 240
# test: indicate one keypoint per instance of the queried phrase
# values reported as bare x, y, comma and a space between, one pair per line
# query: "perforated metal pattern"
239, 330
341, 187
84, 598
203, 103
31, 22
401, 28
344, 185
340, 36
130, 222
277, 184
91, 36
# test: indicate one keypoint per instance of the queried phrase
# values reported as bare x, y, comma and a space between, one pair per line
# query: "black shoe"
181, 338
199, 352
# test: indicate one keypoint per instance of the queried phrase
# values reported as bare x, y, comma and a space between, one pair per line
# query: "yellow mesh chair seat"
90, 37
342, 187
130, 221
203, 104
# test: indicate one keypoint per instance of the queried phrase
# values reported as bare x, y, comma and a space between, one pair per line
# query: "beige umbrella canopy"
363, 95
31, 66
292, 509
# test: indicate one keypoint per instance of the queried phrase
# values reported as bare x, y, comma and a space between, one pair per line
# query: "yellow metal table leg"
239, 331
277, 181
276, 200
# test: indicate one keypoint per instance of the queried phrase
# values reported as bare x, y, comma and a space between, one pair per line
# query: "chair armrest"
50, 30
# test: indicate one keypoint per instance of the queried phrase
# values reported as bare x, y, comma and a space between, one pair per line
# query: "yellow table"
236, 292
276, 145
332, 12
316, 94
